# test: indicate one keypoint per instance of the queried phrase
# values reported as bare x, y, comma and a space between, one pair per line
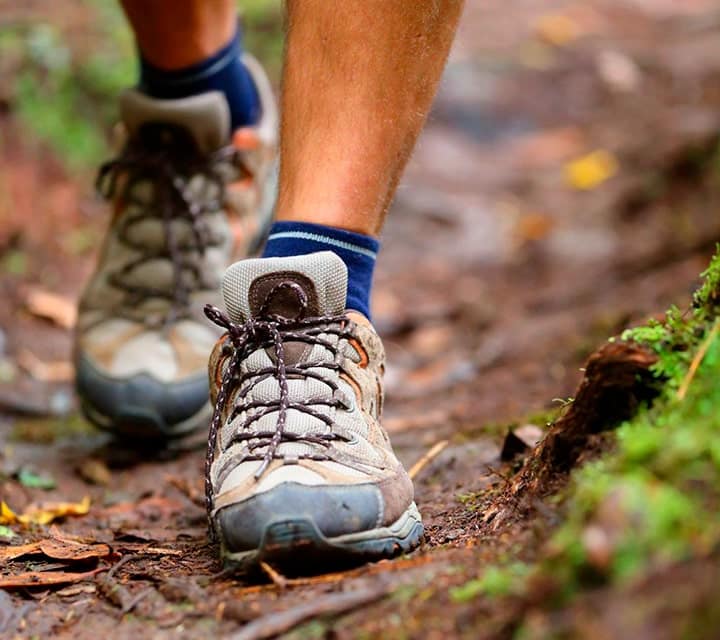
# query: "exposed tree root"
617, 379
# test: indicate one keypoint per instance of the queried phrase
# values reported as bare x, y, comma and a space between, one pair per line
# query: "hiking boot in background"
299, 470
188, 196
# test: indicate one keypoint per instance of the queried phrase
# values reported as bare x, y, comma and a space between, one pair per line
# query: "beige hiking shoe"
187, 195
299, 470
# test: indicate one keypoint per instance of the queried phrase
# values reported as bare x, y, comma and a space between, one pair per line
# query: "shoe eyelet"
352, 440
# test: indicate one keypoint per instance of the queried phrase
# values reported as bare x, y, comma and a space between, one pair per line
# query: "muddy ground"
501, 272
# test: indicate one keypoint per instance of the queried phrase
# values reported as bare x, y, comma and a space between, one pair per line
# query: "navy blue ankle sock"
356, 250
223, 71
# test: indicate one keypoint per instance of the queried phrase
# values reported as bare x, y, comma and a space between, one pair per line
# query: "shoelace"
271, 331
166, 157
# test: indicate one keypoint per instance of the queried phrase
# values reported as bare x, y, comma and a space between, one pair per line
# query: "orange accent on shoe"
361, 352
246, 139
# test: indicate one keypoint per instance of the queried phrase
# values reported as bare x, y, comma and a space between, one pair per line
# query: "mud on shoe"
299, 471
187, 195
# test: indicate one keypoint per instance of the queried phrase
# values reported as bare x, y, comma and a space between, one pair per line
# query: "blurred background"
565, 186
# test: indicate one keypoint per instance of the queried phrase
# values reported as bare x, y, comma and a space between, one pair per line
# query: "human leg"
299, 467
358, 81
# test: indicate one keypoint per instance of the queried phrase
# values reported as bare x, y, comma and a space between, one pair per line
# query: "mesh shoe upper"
297, 384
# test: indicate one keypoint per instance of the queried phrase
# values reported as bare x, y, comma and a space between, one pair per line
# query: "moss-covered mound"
651, 501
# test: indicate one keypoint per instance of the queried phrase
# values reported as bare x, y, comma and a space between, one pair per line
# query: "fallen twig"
120, 563
56, 371
278, 579
399, 564
433, 453
275, 623
697, 361
134, 601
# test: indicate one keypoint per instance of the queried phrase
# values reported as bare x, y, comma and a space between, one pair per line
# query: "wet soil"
498, 278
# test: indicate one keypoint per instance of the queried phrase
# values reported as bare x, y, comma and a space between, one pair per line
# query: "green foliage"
495, 582
32, 480
6, 533
66, 96
14, 262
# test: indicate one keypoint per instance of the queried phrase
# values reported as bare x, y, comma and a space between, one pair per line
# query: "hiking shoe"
187, 196
299, 470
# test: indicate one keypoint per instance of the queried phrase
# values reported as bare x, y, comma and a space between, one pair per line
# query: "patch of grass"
495, 582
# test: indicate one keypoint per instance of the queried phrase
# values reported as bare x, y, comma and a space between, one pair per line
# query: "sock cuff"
178, 78
356, 250
356, 243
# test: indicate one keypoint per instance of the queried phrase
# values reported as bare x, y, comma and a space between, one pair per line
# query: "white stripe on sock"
304, 235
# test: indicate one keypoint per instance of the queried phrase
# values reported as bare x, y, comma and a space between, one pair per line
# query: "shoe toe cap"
329, 511
141, 403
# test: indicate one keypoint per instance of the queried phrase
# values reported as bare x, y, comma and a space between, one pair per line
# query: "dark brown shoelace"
166, 157
268, 331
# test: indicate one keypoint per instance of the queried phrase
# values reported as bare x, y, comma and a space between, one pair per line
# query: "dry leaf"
591, 170
532, 227
548, 147
45, 578
557, 29
51, 306
66, 550
67, 592
57, 371
7, 515
57, 550
44, 513
10, 553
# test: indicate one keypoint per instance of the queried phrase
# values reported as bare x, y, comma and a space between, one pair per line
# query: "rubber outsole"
143, 424
298, 545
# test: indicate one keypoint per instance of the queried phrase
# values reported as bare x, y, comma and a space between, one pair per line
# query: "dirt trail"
498, 278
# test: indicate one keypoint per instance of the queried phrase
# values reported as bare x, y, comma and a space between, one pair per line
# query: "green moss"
655, 498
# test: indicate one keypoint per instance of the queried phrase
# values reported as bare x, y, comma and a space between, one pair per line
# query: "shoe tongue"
206, 117
277, 286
